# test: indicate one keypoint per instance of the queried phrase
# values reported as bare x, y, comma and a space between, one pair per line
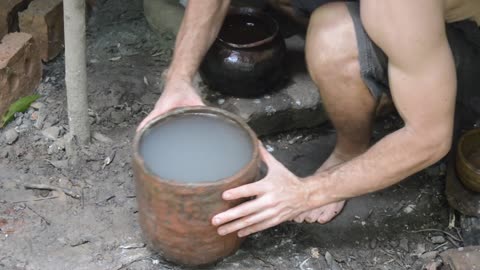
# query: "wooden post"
76, 69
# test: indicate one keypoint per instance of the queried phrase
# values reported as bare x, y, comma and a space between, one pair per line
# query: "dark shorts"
464, 39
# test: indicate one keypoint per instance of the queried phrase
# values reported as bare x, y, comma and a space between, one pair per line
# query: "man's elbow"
437, 147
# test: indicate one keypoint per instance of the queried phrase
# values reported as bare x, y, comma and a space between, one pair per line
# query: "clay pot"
248, 57
468, 160
175, 217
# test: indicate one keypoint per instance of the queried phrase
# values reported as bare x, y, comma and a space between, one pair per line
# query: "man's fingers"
245, 191
244, 209
268, 223
246, 222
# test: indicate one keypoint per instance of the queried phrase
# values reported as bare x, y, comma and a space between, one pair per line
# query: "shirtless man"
355, 51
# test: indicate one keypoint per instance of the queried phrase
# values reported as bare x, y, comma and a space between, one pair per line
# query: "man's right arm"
200, 26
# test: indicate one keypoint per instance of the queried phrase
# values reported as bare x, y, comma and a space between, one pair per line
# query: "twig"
261, 259
437, 230
42, 217
52, 188
123, 266
453, 242
40, 187
439, 246
132, 246
36, 200
303, 263
388, 262
83, 199
457, 230
82, 242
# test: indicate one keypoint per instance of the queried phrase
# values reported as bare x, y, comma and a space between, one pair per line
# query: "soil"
89, 219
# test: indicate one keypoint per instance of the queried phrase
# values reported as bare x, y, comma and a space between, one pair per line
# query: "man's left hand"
279, 197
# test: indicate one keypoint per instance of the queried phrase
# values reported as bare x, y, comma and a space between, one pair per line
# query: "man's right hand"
177, 93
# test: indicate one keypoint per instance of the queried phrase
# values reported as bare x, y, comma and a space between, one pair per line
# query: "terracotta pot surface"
175, 217
246, 61
468, 160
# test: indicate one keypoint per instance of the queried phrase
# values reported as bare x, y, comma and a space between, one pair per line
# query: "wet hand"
279, 197
177, 93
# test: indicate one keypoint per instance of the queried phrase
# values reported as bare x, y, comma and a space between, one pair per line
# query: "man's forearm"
391, 160
200, 27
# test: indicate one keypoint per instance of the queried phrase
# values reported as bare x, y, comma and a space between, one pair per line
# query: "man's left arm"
423, 85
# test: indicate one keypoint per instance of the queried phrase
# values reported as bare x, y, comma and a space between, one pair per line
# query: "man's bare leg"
332, 58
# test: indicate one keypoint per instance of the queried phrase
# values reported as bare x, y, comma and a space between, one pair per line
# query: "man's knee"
331, 48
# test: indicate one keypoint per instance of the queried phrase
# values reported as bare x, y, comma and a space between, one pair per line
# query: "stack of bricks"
20, 68
40, 23
44, 20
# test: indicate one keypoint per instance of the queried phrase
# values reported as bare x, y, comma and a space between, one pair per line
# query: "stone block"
9, 15
20, 68
44, 20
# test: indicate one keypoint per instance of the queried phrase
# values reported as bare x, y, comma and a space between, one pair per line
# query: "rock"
428, 256
57, 146
101, 138
11, 136
331, 262
4, 153
37, 105
59, 164
373, 244
41, 116
420, 249
409, 208
52, 133
118, 117
136, 108
34, 116
438, 239
404, 244
18, 119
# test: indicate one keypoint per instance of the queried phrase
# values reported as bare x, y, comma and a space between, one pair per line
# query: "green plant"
20, 105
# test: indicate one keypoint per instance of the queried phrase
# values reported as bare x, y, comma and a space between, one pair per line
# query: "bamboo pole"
76, 69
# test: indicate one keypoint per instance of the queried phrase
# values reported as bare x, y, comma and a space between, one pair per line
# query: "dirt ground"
90, 222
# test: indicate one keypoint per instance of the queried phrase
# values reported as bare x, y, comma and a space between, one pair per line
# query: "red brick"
20, 68
9, 16
44, 20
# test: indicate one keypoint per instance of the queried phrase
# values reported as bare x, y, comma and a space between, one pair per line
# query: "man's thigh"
307, 7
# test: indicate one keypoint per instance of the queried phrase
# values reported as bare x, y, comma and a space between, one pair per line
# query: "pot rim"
461, 154
255, 12
197, 110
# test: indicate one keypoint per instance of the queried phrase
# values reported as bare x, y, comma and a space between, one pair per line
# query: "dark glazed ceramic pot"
468, 159
247, 58
175, 217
